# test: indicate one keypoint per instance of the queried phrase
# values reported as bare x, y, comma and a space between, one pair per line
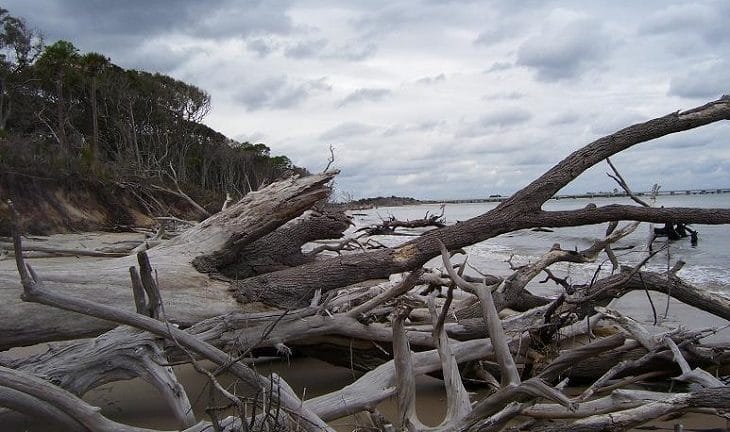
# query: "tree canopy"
64, 111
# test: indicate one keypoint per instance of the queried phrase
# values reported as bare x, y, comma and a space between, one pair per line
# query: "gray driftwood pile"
238, 285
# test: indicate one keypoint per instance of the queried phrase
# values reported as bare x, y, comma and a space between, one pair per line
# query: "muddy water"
136, 402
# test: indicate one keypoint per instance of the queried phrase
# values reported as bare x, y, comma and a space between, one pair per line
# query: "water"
707, 264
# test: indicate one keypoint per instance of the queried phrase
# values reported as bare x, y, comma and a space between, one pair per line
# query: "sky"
432, 99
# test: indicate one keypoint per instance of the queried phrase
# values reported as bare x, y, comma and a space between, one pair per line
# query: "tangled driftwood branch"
392, 330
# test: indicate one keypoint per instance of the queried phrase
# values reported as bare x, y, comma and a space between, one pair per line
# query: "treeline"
367, 203
65, 112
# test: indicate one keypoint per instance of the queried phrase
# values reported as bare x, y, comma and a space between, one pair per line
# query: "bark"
289, 288
282, 248
629, 280
190, 296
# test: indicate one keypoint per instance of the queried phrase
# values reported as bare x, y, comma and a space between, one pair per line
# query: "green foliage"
93, 63
63, 111
18, 44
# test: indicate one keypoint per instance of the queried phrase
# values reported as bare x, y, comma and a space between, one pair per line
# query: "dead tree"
191, 295
192, 314
388, 226
522, 210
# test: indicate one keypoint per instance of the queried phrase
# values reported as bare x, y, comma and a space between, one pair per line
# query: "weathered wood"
282, 248
632, 417
629, 280
190, 296
289, 288
34, 290
260, 234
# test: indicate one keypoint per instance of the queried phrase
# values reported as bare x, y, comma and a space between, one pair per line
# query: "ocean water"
707, 263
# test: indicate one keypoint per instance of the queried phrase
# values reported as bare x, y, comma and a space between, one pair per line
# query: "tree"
19, 46
57, 63
93, 65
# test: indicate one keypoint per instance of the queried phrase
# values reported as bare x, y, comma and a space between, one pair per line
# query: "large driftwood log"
282, 248
523, 210
190, 296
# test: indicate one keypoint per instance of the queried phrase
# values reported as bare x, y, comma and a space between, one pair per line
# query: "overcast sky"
432, 99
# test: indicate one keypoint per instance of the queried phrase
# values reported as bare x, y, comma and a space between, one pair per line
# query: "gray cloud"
501, 119
364, 94
345, 130
238, 18
565, 118
353, 51
707, 19
499, 66
261, 46
279, 93
432, 79
565, 51
505, 95
306, 49
380, 21
119, 29
138, 17
706, 81
422, 127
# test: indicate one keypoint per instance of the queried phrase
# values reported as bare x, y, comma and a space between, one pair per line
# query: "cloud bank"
427, 98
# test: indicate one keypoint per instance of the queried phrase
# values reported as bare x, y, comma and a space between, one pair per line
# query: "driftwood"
238, 285
389, 226
191, 296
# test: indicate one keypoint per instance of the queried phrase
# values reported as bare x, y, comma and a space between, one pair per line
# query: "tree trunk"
190, 296
61, 113
94, 148
293, 287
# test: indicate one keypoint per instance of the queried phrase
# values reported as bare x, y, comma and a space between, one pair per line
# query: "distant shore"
500, 198
395, 201
368, 203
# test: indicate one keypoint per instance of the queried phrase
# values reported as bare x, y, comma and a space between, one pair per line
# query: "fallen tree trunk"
282, 248
190, 296
668, 283
290, 288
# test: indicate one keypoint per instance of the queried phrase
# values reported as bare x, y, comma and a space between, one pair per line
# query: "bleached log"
510, 375
34, 290
626, 419
457, 398
190, 296
697, 375
404, 375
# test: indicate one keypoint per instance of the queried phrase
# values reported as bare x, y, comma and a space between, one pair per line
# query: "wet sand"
135, 403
